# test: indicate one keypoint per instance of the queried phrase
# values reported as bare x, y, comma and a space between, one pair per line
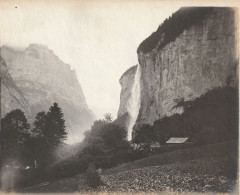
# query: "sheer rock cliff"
191, 53
11, 96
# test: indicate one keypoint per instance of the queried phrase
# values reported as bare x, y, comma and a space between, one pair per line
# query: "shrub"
93, 178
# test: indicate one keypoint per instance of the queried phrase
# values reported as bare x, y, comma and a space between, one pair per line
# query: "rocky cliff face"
126, 81
185, 62
11, 97
43, 79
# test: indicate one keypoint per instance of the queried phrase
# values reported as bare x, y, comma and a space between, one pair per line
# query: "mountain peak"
37, 46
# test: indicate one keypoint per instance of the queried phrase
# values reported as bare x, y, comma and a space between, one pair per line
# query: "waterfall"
134, 102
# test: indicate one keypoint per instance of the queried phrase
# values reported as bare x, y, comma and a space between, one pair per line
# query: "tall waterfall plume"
134, 102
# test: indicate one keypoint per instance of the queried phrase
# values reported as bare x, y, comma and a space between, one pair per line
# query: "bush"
93, 178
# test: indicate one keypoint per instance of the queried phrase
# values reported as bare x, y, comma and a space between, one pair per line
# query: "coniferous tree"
40, 124
38, 142
55, 132
108, 118
48, 133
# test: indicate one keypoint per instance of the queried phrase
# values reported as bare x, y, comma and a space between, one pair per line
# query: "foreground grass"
210, 168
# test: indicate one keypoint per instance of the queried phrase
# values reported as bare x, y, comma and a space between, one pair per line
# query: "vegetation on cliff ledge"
173, 27
210, 118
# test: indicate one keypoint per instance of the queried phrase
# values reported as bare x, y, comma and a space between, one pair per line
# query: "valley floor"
210, 168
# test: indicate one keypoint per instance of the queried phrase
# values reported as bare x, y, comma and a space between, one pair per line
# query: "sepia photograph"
119, 97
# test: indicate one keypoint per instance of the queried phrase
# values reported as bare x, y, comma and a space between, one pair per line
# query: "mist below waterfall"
134, 102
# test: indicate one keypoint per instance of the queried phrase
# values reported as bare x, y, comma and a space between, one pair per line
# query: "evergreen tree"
55, 131
108, 117
38, 143
49, 132
40, 124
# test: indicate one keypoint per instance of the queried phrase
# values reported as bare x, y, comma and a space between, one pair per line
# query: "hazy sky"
97, 38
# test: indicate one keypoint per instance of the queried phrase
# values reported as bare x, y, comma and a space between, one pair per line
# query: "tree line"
34, 147
105, 145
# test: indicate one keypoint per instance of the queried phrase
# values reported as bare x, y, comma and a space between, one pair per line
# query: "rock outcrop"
126, 81
185, 61
43, 79
11, 96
